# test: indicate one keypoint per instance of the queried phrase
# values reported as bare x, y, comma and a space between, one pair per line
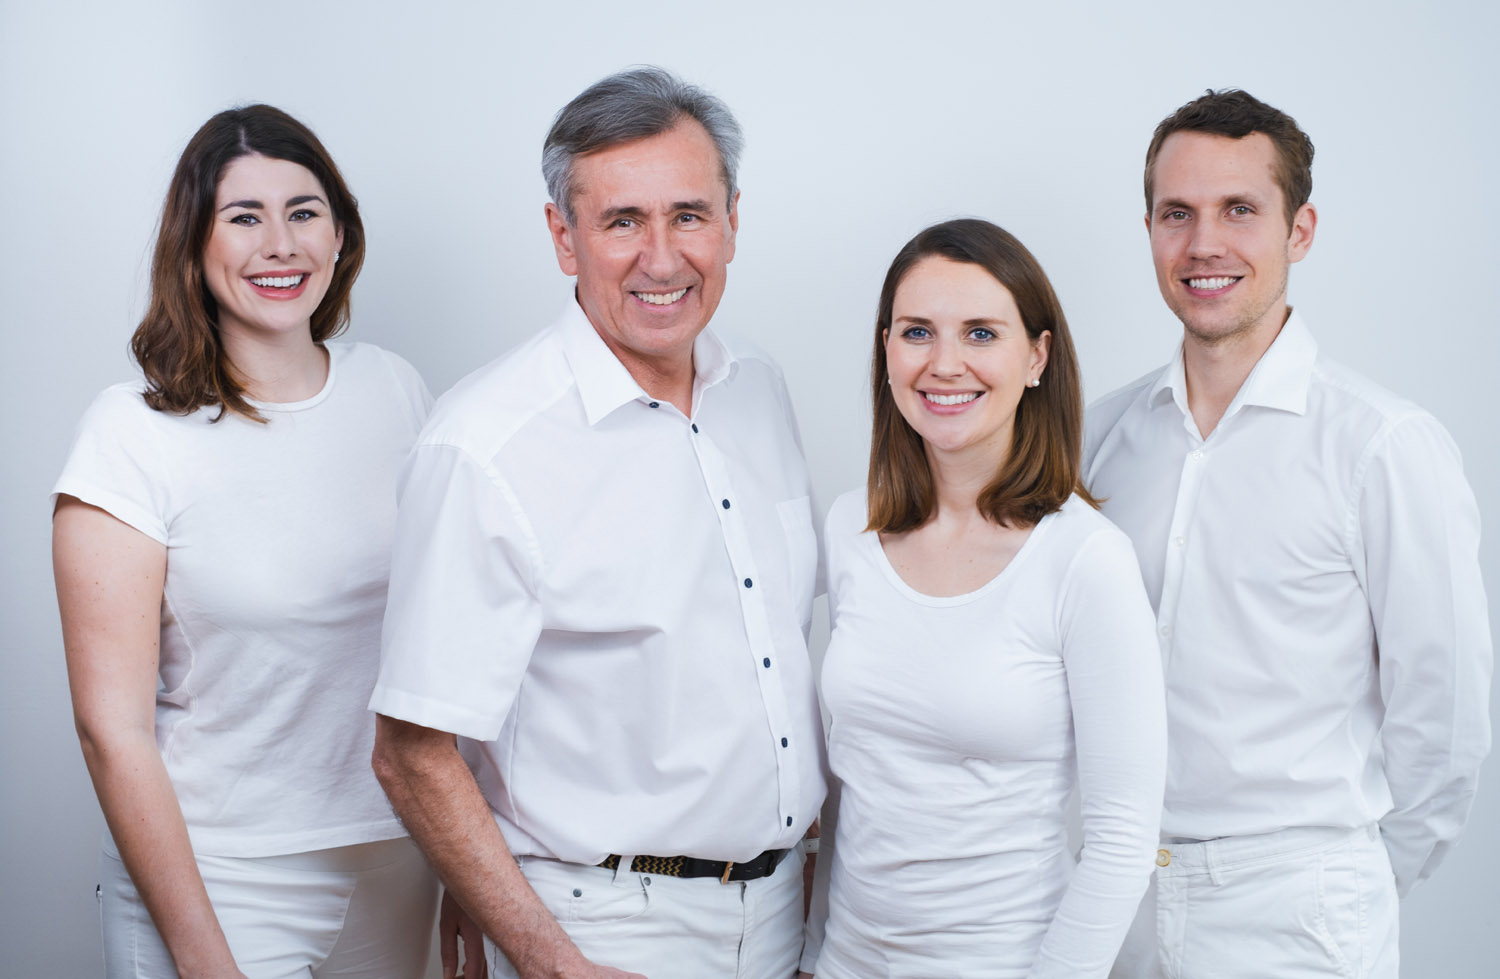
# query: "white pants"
672, 927
362, 911
1296, 904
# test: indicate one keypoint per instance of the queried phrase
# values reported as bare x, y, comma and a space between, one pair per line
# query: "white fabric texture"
672, 927
1313, 903
614, 598
1314, 568
960, 727
356, 912
278, 549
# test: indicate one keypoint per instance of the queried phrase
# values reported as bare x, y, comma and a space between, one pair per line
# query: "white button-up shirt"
1314, 567
614, 599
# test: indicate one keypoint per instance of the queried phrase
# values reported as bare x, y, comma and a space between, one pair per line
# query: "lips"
279, 284
1210, 285
661, 298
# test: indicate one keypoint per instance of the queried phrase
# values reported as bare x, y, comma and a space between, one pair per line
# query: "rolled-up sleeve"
1416, 551
463, 614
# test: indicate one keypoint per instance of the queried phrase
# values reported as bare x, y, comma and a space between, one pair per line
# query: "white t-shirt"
960, 726
278, 541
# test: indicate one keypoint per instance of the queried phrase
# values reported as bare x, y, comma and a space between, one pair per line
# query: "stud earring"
335, 258
1034, 382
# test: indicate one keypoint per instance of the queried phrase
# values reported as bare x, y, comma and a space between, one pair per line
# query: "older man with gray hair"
603, 576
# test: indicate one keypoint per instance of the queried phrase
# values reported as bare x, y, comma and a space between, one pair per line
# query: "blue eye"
915, 333
982, 334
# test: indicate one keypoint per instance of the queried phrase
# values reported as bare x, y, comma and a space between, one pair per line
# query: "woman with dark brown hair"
221, 546
992, 648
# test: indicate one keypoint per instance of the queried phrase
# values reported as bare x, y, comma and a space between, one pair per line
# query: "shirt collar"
1279, 380
603, 382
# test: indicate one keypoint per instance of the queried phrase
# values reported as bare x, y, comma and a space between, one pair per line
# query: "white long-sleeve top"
959, 727
1314, 567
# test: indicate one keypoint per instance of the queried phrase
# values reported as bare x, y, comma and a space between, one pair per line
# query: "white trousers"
1297, 904
672, 927
363, 911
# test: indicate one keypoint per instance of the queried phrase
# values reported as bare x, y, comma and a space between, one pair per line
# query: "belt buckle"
728, 866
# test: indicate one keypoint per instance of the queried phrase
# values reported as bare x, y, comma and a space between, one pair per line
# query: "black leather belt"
726, 870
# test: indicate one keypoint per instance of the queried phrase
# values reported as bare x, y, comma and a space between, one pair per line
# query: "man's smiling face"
652, 236
1219, 235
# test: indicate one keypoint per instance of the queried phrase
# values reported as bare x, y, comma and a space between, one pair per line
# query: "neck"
669, 382
1217, 369
278, 370
959, 477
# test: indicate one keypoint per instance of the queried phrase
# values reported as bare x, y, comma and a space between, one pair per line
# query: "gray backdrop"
866, 121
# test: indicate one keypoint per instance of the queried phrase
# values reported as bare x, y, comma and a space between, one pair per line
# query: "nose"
1207, 240
659, 257
279, 241
947, 357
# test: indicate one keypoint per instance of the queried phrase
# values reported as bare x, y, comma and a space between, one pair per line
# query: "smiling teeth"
277, 281
1215, 283
661, 298
951, 399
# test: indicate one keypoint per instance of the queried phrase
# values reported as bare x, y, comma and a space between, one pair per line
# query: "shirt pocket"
802, 555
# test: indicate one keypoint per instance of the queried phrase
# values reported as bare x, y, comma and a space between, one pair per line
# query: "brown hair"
1042, 467
1236, 114
178, 344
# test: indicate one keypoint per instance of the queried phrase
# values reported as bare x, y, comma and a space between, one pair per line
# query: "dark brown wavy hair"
178, 344
1042, 467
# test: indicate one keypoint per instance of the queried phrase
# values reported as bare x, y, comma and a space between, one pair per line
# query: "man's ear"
734, 224
562, 239
1304, 226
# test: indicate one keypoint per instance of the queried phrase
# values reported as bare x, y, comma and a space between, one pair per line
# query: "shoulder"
848, 515
1089, 542
1106, 412
484, 409
120, 411
356, 355
1371, 420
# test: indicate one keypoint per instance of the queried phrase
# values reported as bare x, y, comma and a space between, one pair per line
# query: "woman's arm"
1115, 688
109, 589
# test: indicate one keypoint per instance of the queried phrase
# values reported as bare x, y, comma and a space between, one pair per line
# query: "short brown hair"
1236, 114
178, 344
1041, 469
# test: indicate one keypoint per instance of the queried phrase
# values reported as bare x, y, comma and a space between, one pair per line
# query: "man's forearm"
435, 795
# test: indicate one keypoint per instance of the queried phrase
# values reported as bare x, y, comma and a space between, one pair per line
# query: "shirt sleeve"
116, 465
1416, 553
1120, 730
463, 614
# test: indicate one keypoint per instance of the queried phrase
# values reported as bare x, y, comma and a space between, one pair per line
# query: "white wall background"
866, 121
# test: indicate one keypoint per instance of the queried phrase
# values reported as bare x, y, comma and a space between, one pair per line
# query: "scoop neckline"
939, 601
332, 350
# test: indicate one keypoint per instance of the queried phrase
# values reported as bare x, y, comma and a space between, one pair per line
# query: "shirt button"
1196, 454
1178, 541
577, 892
749, 583
789, 820
1166, 630
724, 504
1163, 858
695, 428
766, 662
656, 404
783, 742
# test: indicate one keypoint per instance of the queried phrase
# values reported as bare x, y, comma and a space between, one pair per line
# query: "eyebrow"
636, 211
291, 202
1172, 203
976, 321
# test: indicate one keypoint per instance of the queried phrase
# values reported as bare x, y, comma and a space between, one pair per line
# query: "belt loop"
728, 866
623, 870
1211, 861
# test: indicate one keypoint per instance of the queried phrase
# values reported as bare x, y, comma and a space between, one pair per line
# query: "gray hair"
631, 105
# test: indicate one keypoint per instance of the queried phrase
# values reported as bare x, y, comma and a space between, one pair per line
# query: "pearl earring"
335, 258
1034, 382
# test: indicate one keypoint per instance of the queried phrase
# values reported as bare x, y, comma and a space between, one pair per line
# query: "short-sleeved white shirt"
614, 598
278, 549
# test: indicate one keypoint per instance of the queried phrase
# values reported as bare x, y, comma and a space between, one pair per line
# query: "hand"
453, 925
804, 975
